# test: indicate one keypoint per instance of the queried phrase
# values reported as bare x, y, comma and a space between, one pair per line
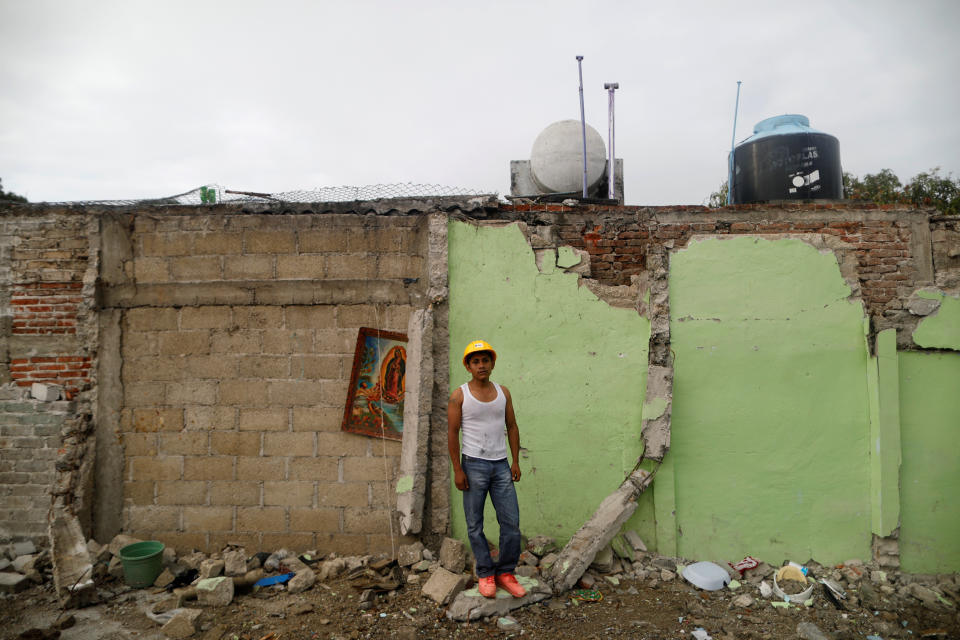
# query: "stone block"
183, 624
302, 580
443, 586
235, 562
46, 392
13, 582
24, 548
526, 570
410, 554
215, 592
211, 568
453, 555
529, 558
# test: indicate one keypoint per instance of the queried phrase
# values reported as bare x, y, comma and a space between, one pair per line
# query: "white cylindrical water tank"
556, 159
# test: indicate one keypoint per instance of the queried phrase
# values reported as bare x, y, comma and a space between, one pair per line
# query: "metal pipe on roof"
611, 170
733, 140
583, 125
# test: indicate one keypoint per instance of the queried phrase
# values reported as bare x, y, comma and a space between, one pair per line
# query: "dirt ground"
636, 609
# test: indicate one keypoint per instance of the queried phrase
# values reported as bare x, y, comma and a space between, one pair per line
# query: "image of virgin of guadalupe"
392, 375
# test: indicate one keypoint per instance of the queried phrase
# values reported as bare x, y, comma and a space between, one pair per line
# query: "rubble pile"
195, 590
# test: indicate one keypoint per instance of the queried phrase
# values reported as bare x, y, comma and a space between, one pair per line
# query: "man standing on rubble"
482, 411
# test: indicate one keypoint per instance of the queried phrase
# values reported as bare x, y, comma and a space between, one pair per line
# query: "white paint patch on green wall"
942, 329
576, 368
771, 423
929, 510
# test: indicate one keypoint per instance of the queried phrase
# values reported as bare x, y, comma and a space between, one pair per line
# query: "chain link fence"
214, 194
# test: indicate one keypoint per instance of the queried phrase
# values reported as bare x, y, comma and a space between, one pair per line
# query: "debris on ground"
425, 592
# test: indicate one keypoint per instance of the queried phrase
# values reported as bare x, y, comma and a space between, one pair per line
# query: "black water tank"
785, 159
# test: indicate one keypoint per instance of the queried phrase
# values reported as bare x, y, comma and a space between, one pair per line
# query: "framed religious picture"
377, 384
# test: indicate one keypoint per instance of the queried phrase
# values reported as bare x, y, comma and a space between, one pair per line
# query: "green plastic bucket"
142, 563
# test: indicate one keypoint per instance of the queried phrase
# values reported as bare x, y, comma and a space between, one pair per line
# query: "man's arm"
513, 436
454, 420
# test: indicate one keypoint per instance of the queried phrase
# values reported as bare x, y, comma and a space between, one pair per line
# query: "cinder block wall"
237, 349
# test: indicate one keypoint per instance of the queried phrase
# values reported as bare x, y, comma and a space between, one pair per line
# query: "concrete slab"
418, 405
597, 532
72, 569
470, 605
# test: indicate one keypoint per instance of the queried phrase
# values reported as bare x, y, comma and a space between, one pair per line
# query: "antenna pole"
583, 125
611, 87
733, 139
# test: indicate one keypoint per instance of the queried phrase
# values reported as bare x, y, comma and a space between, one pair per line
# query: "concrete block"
443, 586
235, 562
20, 563
470, 605
24, 548
13, 582
302, 580
410, 554
46, 392
453, 555
215, 592
183, 624
119, 542
211, 569
622, 548
115, 568
165, 578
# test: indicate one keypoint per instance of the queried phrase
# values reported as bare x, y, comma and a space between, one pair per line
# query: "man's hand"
460, 479
515, 471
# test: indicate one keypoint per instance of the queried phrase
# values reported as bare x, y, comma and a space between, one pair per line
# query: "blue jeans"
493, 477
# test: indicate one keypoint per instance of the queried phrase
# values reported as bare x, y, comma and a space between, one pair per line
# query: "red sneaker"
509, 583
487, 587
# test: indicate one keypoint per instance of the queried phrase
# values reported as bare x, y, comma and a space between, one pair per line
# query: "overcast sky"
129, 99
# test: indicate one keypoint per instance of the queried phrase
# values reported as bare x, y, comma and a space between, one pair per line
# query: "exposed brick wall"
878, 238
45, 308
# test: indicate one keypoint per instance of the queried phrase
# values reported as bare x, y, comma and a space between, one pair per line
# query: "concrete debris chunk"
529, 558
453, 555
235, 562
116, 567
622, 548
508, 624
20, 563
635, 540
470, 605
23, 548
215, 592
548, 561
46, 392
165, 578
443, 586
603, 561
120, 541
183, 624
302, 580
526, 570
72, 569
743, 601
211, 568
331, 569
809, 631
13, 582
541, 545
410, 554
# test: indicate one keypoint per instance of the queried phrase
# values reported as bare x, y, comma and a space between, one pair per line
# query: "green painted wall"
771, 420
929, 424
576, 368
942, 329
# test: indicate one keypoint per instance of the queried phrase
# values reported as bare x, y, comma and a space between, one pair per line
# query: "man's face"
480, 365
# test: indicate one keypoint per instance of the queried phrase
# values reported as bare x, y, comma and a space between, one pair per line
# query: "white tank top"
483, 425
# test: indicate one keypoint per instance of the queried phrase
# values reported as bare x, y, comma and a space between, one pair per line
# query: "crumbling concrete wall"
47, 336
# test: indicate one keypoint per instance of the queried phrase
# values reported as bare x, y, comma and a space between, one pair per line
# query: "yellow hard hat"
478, 345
